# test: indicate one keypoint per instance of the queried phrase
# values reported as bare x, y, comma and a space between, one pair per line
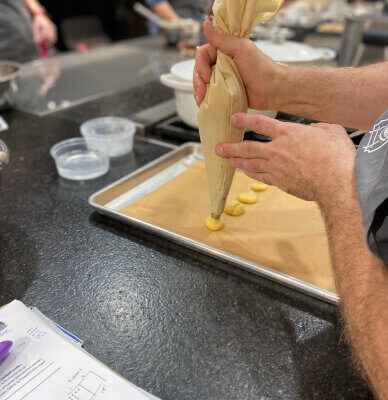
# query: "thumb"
226, 42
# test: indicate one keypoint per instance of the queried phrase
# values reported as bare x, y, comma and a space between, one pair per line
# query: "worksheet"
43, 365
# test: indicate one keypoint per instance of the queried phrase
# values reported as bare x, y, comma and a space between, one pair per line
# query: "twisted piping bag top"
226, 93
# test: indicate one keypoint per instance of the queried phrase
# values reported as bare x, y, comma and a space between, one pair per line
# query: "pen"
4, 348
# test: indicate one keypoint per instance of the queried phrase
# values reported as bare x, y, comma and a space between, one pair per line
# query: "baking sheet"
280, 237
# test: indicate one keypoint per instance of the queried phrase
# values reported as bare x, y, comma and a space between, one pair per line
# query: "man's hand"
313, 162
259, 72
44, 30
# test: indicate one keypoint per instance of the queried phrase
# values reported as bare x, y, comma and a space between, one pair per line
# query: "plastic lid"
184, 70
108, 128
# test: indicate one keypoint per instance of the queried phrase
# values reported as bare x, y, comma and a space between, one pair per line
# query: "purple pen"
4, 348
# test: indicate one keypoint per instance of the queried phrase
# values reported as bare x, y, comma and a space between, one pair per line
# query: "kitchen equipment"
80, 159
183, 30
186, 106
181, 80
4, 154
351, 40
148, 14
9, 72
174, 131
274, 33
110, 200
294, 53
116, 134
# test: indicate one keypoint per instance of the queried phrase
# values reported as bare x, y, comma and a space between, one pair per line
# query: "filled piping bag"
226, 93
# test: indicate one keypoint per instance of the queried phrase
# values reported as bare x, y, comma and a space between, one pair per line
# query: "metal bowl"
9, 73
4, 154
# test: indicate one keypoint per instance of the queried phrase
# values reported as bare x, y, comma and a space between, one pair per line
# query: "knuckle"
237, 163
247, 148
284, 131
258, 166
273, 150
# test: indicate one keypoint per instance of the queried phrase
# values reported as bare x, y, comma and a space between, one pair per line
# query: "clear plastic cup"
117, 134
79, 159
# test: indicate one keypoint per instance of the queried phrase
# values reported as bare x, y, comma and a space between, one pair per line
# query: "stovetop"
173, 130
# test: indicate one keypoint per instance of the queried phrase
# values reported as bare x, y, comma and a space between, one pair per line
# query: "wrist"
341, 200
281, 88
39, 12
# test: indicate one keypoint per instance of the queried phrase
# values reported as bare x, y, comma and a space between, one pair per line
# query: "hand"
44, 30
314, 162
258, 71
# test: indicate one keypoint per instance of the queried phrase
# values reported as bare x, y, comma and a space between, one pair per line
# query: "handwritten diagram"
88, 389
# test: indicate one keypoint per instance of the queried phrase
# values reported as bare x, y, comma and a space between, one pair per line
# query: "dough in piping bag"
226, 93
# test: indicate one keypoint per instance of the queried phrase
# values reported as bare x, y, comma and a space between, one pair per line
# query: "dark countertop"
177, 323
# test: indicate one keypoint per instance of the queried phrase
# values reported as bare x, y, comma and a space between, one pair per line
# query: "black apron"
372, 186
16, 38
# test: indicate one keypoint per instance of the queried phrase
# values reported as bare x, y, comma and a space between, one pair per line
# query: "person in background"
174, 10
25, 30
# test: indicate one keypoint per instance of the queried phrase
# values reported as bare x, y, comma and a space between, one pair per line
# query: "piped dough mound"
234, 208
214, 224
248, 197
258, 186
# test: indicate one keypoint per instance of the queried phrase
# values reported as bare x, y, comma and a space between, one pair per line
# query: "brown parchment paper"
280, 231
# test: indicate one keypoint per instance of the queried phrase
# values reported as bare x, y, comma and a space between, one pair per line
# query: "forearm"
353, 97
33, 5
165, 11
362, 282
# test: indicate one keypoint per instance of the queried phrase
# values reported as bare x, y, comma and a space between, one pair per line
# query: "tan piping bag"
226, 93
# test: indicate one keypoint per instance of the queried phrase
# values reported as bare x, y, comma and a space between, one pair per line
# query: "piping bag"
226, 93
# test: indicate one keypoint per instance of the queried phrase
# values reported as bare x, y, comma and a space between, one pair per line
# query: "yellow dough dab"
234, 208
258, 186
214, 224
248, 197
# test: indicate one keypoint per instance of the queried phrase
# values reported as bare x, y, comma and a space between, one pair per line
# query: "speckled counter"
174, 322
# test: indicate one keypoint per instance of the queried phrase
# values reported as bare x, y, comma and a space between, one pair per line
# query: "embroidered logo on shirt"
378, 137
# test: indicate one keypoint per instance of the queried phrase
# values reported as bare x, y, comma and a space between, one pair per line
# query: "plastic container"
79, 159
115, 133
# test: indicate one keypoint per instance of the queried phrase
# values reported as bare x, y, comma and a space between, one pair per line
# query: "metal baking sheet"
114, 197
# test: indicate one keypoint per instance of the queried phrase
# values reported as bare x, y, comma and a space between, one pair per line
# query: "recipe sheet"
43, 365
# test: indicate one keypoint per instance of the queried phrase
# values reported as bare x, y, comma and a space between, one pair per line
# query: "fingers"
205, 57
246, 149
37, 33
228, 44
259, 124
199, 88
254, 165
52, 34
44, 31
262, 177
321, 125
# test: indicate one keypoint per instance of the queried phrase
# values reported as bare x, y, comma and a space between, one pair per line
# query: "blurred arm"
164, 10
34, 6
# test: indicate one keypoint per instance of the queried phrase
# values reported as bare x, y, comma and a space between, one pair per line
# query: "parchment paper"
280, 231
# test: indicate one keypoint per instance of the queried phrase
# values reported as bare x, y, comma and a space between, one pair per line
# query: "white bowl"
114, 133
79, 159
294, 53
